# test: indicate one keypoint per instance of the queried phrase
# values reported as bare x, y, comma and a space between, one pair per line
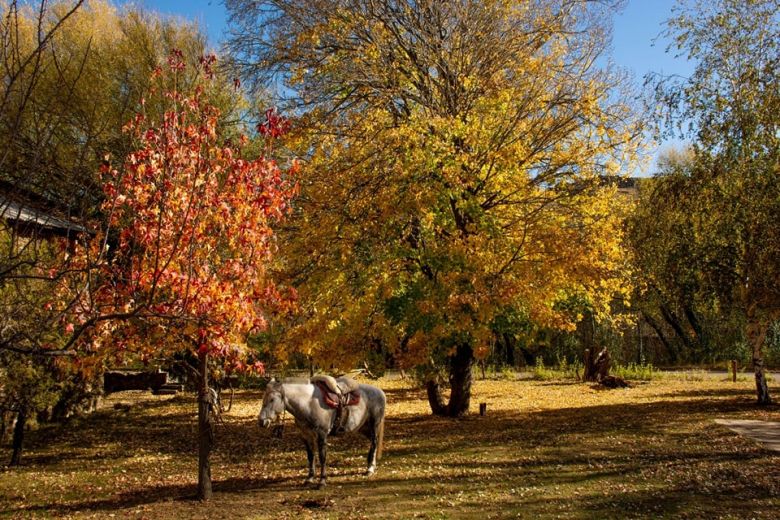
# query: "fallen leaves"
544, 449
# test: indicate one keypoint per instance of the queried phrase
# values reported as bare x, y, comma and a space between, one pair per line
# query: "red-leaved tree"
190, 238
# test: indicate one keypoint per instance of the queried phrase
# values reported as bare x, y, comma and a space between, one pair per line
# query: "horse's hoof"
370, 471
322, 484
309, 480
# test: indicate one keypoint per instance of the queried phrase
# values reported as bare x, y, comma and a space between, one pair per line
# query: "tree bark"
435, 399
701, 336
460, 385
460, 381
762, 388
205, 431
757, 335
509, 350
18, 439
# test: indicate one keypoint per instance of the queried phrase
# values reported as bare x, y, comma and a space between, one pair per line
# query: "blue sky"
636, 45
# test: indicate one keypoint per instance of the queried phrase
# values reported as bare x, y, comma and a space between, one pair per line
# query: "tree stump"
596, 368
602, 364
614, 382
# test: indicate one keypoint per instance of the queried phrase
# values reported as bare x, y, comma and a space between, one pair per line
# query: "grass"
565, 370
547, 449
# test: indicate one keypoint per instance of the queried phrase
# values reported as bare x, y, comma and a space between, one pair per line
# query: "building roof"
20, 214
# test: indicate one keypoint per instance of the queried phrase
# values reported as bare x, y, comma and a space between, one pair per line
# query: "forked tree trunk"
18, 440
205, 431
435, 399
460, 385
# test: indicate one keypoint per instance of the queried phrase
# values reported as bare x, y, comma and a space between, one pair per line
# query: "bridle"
277, 429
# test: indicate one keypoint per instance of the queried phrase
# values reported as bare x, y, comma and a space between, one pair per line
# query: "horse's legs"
322, 449
310, 457
371, 463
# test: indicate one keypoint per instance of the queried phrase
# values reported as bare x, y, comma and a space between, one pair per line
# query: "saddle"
338, 394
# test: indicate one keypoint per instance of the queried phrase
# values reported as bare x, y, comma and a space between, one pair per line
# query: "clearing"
545, 449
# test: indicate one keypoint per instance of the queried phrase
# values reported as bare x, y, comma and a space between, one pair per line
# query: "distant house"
627, 186
29, 215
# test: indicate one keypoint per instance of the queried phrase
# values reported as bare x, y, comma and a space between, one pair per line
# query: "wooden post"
734, 370
482, 409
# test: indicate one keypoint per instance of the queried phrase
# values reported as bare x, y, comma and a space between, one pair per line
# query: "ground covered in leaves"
544, 449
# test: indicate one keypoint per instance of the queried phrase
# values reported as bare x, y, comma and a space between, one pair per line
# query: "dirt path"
766, 433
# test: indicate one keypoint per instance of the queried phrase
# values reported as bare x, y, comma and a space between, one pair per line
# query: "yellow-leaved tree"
455, 156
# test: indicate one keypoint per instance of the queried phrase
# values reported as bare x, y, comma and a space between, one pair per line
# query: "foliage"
453, 174
27, 383
193, 221
669, 236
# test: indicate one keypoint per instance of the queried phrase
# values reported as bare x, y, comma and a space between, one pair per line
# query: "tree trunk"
671, 318
673, 354
757, 335
701, 335
205, 432
460, 381
762, 389
460, 385
438, 406
18, 440
509, 352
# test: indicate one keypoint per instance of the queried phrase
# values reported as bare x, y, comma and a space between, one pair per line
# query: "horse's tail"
380, 437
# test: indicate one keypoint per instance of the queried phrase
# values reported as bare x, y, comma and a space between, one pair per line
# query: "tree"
730, 106
189, 240
455, 154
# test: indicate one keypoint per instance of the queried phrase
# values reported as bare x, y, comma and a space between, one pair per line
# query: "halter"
277, 430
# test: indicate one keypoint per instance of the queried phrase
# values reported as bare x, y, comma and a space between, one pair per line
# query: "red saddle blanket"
333, 399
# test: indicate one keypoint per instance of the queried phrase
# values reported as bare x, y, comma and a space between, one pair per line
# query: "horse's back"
375, 400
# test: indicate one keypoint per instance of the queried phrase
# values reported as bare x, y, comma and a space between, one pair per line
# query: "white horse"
311, 406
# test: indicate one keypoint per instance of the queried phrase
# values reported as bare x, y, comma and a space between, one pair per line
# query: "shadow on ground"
658, 458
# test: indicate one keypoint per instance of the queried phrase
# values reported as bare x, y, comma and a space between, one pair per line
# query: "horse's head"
273, 404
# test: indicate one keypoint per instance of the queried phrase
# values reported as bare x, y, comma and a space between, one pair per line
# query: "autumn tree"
729, 107
455, 153
189, 240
